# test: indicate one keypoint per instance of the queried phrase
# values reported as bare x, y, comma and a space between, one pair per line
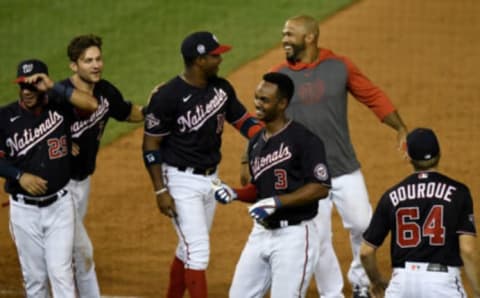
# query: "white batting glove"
264, 208
222, 192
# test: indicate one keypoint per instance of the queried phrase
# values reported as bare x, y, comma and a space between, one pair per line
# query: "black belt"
39, 201
281, 224
198, 171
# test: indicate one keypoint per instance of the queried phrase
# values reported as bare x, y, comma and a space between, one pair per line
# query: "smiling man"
86, 62
35, 146
181, 146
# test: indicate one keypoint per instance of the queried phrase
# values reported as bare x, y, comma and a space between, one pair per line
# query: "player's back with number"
431, 219
428, 209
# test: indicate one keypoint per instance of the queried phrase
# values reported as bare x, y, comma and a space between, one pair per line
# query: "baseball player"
433, 234
35, 148
181, 147
86, 63
322, 82
289, 175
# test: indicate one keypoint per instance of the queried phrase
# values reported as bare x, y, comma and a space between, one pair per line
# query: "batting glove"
222, 192
264, 208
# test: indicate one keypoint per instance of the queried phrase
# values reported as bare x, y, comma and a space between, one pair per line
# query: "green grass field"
141, 37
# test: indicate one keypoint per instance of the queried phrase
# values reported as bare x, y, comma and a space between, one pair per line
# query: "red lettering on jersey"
433, 226
311, 92
57, 147
281, 176
409, 233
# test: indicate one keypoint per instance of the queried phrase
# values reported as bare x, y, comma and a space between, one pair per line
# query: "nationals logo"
262, 163
19, 144
193, 120
79, 127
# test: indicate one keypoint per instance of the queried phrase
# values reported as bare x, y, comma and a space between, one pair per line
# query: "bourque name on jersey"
22, 142
193, 120
263, 163
78, 127
430, 190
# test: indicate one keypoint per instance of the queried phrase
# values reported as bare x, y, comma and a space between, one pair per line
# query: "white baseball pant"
282, 259
416, 280
350, 197
85, 275
44, 240
195, 204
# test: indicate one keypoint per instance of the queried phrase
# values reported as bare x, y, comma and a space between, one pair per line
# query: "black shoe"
360, 292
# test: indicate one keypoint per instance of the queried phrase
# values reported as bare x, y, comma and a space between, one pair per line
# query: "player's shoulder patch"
151, 121
320, 172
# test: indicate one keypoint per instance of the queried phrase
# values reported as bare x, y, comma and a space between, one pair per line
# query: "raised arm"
77, 98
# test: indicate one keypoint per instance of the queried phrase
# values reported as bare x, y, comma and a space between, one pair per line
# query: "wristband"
63, 90
160, 191
151, 157
9, 171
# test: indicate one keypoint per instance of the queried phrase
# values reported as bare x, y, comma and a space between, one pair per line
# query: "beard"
293, 57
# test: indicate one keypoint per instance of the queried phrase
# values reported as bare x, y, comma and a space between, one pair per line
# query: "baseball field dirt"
424, 54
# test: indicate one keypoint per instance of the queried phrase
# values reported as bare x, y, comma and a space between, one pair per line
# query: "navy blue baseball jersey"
37, 143
425, 212
87, 130
285, 162
191, 120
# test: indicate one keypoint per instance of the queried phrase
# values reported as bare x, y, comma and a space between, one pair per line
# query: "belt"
39, 201
430, 267
280, 224
198, 171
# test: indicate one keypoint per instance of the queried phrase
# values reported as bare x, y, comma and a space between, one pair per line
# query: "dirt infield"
424, 54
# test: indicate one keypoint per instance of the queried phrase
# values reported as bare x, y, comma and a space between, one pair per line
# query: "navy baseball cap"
30, 67
422, 144
202, 43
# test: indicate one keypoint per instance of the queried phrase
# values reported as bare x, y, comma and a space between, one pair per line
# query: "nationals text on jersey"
78, 127
263, 163
431, 190
30, 137
202, 113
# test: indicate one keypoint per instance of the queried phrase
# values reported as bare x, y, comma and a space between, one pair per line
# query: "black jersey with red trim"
191, 120
87, 130
285, 162
426, 213
38, 144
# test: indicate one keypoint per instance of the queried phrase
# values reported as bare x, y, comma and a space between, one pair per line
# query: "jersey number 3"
409, 232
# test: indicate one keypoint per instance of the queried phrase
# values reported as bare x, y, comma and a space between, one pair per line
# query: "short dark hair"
80, 43
284, 83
